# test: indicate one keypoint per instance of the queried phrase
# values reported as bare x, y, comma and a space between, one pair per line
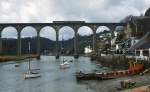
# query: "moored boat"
64, 65
134, 68
31, 74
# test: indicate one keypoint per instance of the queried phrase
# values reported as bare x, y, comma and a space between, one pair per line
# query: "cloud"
50, 10
68, 10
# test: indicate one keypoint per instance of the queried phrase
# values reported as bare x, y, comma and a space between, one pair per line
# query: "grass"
15, 58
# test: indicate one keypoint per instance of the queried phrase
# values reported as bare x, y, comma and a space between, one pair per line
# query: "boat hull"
64, 65
134, 68
28, 76
31, 75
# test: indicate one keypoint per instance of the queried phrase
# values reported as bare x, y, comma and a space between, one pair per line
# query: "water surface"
52, 79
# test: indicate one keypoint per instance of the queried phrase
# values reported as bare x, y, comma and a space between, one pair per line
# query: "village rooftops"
143, 43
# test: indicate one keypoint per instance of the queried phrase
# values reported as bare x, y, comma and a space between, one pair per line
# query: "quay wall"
120, 61
113, 61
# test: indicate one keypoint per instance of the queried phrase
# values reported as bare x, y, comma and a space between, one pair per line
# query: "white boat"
64, 64
31, 74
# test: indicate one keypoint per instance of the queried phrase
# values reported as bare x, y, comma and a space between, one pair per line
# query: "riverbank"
139, 89
117, 62
112, 84
15, 58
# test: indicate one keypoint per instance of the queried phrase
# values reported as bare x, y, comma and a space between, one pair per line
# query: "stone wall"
114, 61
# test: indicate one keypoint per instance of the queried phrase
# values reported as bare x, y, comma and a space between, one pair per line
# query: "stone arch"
102, 31
25, 32
9, 36
67, 32
85, 31
11, 32
102, 28
48, 34
119, 29
66, 43
104, 34
28, 34
85, 39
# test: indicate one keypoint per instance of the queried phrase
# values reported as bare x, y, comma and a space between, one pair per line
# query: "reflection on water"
53, 79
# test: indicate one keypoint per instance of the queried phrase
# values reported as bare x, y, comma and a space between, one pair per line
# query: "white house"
87, 50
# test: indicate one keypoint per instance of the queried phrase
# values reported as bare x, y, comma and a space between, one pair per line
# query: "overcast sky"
68, 10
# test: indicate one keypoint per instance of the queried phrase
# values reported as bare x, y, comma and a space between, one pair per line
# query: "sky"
46, 11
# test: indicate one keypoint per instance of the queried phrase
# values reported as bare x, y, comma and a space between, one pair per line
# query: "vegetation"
49, 47
16, 58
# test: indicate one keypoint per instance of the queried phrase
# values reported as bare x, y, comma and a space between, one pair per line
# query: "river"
53, 79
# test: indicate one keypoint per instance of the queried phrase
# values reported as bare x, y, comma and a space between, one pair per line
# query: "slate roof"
143, 43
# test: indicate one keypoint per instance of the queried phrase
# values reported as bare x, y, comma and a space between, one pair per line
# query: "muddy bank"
113, 61
15, 58
112, 84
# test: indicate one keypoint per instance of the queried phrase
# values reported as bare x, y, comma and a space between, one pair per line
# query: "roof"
143, 43
147, 13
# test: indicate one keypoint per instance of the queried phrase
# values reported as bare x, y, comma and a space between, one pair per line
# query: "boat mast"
29, 55
62, 48
149, 54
